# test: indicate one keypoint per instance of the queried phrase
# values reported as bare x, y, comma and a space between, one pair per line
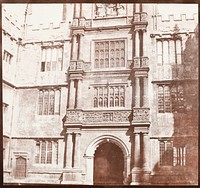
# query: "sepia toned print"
105, 95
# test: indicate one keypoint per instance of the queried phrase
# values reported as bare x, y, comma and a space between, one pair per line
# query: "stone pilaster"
69, 148
74, 47
72, 95
145, 92
79, 93
77, 151
137, 92
137, 43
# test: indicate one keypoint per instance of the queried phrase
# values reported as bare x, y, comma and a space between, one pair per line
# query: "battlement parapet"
173, 18
10, 25
172, 23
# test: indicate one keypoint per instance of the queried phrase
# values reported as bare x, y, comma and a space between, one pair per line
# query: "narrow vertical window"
100, 102
48, 59
60, 58
49, 152
43, 60
43, 152
162, 152
46, 102
160, 99
167, 99
37, 152
172, 51
165, 52
56, 152
57, 102
52, 99
40, 103
95, 102
54, 59
178, 51
111, 102
159, 52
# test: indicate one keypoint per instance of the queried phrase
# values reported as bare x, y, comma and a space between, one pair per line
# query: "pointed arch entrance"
107, 161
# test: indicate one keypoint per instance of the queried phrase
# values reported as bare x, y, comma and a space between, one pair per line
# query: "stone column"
74, 47
77, 151
145, 151
64, 12
69, 145
145, 92
71, 94
137, 44
137, 92
77, 10
79, 93
145, 45
80, 47
137, 151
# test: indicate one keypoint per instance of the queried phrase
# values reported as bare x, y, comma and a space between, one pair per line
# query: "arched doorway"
108, 164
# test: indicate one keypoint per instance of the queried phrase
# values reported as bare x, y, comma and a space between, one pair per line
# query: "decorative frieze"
74, 116
105, 116
141, 115
140, 17
76, 65
141, 62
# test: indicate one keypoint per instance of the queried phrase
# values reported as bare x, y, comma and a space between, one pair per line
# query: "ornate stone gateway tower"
107, 119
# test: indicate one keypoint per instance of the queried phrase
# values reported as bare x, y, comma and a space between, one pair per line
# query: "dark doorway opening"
108, 164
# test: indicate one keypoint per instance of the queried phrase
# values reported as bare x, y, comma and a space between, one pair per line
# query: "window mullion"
40, 151
46, 144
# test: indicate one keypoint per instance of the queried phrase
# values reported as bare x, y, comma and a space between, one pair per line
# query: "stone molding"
140, 115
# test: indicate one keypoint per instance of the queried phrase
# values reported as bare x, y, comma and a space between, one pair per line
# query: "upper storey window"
170, 99
109, 54
109, 96
169, 51
109, 9
52, 58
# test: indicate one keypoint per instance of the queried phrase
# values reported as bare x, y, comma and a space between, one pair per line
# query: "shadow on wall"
179, 155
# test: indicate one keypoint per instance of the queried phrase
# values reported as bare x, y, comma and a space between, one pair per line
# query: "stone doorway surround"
90, 151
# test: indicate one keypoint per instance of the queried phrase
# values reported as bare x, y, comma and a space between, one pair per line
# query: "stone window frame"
109, 40
172, 47
172, 100
49, 101
54, 63
46, 152
171, 154
109, 100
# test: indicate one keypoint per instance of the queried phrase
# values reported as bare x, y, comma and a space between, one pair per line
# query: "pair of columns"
75, 94
72, 145
141, 92
77, 46
140, 41
141, 151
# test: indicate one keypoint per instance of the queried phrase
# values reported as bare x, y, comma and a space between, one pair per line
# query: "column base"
72, 176
140, 176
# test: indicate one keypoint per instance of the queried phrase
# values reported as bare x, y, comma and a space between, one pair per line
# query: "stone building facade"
108, 96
